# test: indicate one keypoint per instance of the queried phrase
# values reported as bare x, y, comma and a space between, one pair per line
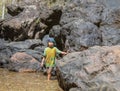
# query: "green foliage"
0, 8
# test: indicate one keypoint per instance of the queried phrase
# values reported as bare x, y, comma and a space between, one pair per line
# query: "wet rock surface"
90, 70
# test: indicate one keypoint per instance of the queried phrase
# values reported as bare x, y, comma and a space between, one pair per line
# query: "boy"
49, 56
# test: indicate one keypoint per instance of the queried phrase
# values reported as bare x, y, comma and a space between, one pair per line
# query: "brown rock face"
23, 62
29, 19
94, 68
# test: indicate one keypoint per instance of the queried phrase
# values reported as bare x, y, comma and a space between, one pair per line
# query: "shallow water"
12, 81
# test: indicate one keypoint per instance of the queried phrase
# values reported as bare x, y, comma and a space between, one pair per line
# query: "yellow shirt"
50, 54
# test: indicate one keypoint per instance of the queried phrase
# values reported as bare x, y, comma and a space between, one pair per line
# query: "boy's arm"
43, 59
61, 52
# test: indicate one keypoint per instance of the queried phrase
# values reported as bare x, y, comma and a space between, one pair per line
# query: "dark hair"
51, 40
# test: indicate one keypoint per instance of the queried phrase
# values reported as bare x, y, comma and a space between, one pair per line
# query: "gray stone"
22, 62
33, 22
27, 44
32, 48
93, 68
14, 10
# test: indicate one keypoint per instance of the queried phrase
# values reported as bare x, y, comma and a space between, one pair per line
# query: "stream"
13, 81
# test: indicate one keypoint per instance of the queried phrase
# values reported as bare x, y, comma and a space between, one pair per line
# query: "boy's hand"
41, 64
64, 53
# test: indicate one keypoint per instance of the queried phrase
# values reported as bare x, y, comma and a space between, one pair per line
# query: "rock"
37, 54
93, 13
87, 15
27, 44
17, 28
83, 34
45, 39
22, 62
39, 19
29, 47
2, 44
31, 20
51, 16
56, 32
101, 88
79, 34
33, 47
74, 89
5, 53
110, 26
110, 35
110, 3
110, 16
101, 14
14, 10
93, 68
75, 26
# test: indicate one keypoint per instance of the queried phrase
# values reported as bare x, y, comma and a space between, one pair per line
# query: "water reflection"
12, 81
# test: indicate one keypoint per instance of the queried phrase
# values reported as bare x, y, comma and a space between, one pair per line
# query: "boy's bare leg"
49, 73
49, 76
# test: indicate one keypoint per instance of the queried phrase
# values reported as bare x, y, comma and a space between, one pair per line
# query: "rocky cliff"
89, 29
96, 69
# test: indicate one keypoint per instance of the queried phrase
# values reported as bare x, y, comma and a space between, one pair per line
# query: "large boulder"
32, 48
35, 19
79, 25
79, 17
22, 62
110, 3
83, 35
18, 27
5, 53
14, 10
27, 44
110, 26
100, 88
77, 35
31, 19
90, 70
57, 34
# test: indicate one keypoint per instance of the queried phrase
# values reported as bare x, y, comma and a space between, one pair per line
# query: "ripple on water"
12, 81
